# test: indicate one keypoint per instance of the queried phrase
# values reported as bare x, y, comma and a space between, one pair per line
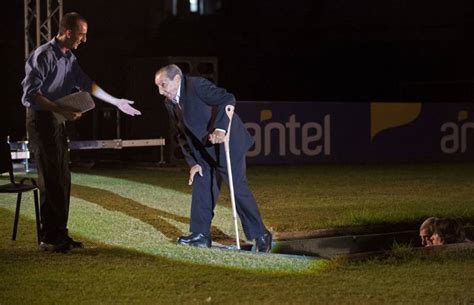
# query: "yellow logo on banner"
463, 115
265, 115
388, 115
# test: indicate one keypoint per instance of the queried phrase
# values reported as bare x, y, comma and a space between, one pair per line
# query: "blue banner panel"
306, 132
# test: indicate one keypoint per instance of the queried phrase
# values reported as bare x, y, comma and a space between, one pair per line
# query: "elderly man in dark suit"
197, 108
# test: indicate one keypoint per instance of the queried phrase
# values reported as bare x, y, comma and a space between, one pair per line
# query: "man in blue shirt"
52, 72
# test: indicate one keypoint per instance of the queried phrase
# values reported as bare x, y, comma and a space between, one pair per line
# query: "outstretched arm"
122, 104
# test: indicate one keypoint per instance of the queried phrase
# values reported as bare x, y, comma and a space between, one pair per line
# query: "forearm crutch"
229, 109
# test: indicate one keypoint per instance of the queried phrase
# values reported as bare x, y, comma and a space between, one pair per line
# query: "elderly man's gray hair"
170, 70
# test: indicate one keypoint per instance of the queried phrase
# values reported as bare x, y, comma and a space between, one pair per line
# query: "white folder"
80, 101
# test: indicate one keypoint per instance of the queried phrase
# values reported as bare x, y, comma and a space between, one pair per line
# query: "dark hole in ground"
351, 245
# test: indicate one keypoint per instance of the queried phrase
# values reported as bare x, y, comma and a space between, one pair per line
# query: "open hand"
124, 106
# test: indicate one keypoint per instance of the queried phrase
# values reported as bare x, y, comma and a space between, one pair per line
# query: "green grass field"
129, 220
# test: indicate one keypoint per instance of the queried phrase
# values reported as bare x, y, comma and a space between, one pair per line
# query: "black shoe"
56, 247
195, 240
264, 243
64, 245
75, 244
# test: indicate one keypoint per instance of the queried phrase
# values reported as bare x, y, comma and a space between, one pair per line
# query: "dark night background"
332, 50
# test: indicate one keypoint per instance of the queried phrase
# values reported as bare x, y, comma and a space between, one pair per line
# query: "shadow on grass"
154, 217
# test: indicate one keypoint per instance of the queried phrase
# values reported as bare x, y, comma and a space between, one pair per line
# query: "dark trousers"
206, 191
48, 142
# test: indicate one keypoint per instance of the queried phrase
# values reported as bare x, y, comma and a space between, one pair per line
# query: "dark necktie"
181, 133
178, 113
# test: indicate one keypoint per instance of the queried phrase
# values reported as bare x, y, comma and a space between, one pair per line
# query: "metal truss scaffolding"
41, 23
42, 19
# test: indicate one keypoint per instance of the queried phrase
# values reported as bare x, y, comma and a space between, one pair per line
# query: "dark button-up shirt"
52, 73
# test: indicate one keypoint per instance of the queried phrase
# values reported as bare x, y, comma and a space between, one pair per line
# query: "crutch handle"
229, 109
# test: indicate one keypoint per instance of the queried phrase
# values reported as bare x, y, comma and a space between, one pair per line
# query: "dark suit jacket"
203, 109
